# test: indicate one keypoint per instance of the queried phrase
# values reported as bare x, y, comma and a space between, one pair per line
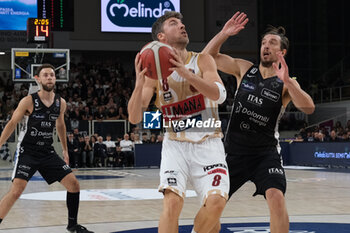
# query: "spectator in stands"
9, 114
74, 123
90, 95
333, 137
341, 136
70, 104
100, 114
117, 142
137, 139
152, 139
111, 104
86, 114
346, 136
338, 127
159, 138
81, 140
99, 88
75, 114
348, 124
319, 137
94, 107
109, 143
24, 93
96, 136
93, 140
136, 130
120, 160
127, 149
112, 114
82, 103
298, 138
67, 113
325, 133
77, 87
87, 152
111, 150
145, 139
7, 107
303, 134
102, 101
132, 136
73, 151
76, 133
121, 114
310, 136
100, 151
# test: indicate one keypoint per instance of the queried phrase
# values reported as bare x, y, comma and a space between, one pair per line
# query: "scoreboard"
52, 15
60, 13
38, 30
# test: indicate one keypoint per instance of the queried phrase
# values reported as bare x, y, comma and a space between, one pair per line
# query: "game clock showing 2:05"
38, 30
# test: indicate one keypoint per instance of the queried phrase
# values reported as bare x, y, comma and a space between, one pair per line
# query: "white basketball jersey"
180, 101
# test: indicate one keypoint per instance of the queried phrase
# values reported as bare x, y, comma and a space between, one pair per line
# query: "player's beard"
266, 63
184, 42
47, 88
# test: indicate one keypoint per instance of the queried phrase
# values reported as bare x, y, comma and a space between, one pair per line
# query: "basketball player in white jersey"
193, 90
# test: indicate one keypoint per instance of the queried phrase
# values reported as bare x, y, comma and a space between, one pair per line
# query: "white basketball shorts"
202, 164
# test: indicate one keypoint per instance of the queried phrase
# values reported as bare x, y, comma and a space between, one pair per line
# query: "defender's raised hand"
234, 25
281, 72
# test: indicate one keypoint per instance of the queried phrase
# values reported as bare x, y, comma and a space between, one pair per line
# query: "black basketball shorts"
264, 170
51, 167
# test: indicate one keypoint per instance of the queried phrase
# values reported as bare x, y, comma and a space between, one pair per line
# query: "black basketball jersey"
256, 112
37, 134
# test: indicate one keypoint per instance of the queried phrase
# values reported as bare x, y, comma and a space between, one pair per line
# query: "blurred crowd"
335, 133
98, 91
101, 91
97, 151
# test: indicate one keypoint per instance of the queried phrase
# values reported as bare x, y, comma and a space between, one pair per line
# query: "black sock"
73, 206
0, 220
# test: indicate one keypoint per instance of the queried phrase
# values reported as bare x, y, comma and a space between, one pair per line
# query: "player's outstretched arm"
24, 106
142, 94
62, 132
300, 98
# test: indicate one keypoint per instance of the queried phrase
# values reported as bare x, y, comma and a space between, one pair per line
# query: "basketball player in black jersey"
263, 92
43, 111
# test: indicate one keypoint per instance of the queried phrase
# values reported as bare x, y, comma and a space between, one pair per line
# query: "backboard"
25, 61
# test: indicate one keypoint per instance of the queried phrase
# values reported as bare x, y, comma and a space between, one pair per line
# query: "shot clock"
38, 30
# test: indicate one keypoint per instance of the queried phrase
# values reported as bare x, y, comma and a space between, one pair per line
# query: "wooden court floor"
312, 195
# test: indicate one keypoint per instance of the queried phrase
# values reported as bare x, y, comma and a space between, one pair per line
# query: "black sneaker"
78, 229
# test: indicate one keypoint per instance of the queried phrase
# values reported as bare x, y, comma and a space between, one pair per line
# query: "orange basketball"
155, 56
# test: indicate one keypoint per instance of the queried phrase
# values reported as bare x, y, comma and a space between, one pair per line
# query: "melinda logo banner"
133, 15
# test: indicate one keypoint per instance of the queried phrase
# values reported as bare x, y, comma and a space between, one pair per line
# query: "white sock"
193, 230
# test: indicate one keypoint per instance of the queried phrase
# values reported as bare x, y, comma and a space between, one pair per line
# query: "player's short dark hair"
279, 31
157, 26
43, 66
